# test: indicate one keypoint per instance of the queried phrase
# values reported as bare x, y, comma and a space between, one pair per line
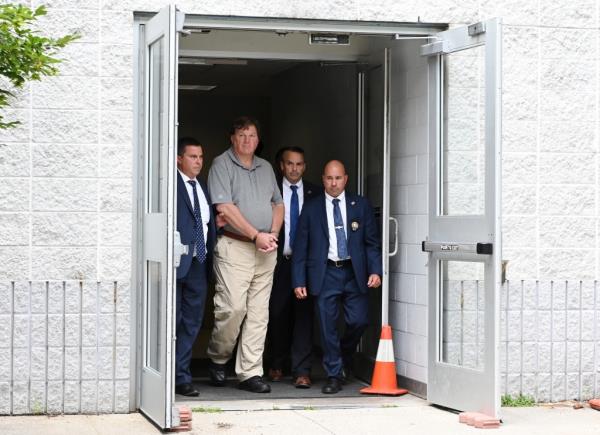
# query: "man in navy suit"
196, 227
337, 258
290, 319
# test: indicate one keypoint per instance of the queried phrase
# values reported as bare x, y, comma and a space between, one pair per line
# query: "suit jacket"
309, 190
185, 226
311, 244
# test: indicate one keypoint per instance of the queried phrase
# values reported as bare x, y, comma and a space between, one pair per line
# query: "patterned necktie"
294, 212
198, 227
340, 234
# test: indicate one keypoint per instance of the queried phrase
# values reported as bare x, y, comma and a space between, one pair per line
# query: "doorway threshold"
314, 403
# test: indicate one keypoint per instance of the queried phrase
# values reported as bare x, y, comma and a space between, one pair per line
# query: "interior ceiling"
251, 79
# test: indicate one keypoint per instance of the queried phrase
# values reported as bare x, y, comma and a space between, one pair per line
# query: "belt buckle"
287, 256
338, 263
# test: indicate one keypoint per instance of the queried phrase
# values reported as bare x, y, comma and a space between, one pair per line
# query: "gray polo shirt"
253, 190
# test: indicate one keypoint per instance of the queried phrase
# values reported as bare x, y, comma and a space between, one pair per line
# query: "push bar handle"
465, 248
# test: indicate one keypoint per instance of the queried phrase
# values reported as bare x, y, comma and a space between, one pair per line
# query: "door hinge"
476, 29
179, 21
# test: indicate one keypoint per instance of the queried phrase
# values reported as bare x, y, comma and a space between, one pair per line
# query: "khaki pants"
244, 277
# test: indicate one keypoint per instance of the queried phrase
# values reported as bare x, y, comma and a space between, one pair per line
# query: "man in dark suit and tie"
337, 258
196, 227
290, 319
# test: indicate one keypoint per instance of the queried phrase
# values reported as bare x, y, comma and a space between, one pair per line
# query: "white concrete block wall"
64, 347
409, 204
551, 128
549, 339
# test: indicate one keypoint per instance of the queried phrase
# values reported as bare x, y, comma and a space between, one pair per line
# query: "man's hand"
374, 281
300, 292
266, 242
220, 220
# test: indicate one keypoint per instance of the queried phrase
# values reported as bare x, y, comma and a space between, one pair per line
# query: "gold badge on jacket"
354, 225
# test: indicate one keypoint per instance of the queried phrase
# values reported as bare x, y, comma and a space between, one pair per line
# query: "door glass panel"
462, 296
463, 134
155, 134
153, 315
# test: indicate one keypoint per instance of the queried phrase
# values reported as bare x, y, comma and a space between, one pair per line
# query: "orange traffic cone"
384, 375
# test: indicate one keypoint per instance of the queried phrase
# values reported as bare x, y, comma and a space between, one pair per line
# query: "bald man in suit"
337, 259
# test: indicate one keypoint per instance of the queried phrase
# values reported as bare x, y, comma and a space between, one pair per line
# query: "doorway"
357, 90
331, 104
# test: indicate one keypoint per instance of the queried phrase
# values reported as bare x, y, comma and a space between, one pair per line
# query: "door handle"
469, 248
180, 249
395, 251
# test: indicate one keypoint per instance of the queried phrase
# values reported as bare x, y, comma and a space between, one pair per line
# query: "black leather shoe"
186, 390
347, 375
332, 386
255, 384
216, 373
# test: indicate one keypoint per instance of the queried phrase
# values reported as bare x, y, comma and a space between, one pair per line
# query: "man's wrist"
255, 236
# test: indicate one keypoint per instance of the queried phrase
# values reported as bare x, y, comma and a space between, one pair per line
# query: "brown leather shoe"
275, 375
302, 382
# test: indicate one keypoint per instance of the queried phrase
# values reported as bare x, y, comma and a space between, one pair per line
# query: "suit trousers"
244, 277
339, 286
191, 298
290, 323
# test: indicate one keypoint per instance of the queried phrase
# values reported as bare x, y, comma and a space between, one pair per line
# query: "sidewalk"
369, 415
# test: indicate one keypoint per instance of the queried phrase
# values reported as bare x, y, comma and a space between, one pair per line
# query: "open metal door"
374, 183
159, 245
464, 217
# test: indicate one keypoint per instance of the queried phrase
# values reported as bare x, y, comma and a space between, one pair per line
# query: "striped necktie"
340, 234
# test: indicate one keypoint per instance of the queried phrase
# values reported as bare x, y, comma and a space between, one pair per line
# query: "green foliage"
24, 54
517, 401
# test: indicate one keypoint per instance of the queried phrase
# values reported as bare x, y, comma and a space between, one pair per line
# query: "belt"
339, 263
236, 236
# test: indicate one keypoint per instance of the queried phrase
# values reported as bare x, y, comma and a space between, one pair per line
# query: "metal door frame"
161, 247
192, 21
466, 238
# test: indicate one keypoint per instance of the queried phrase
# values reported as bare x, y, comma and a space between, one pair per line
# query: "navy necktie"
340, 234
198, 226
294, 212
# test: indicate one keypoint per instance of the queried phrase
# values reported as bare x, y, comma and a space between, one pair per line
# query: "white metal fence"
549, 339
65, 345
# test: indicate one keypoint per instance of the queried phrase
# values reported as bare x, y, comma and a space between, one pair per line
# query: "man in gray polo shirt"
244, 189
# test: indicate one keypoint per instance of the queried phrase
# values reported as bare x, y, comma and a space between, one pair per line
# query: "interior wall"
409, 205
208, 118
314, 107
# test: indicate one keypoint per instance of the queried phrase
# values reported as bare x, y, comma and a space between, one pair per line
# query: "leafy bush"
24, 54
517, 401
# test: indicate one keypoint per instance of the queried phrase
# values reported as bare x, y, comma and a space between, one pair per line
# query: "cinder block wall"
66, 175
551, 122
409, 195
549, 339
64, 347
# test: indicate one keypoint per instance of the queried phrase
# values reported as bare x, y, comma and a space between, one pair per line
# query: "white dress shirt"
287, 198
204, 210
333, 254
